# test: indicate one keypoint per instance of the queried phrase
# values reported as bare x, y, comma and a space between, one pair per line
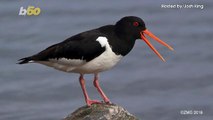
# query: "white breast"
105, 61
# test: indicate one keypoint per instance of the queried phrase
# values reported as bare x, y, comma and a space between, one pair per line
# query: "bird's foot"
107, 101
90, 102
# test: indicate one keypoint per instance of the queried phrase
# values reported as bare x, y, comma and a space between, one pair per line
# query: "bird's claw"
90, 102
107, 101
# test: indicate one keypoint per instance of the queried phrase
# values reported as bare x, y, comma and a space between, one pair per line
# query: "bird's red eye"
135, 24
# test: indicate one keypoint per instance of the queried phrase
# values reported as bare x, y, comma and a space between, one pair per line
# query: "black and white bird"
96, 50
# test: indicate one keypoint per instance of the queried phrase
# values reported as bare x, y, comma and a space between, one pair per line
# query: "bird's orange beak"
147, 32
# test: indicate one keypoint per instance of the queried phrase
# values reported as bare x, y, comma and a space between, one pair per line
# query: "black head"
131, 28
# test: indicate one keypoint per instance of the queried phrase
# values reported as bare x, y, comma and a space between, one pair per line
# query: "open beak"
147, 32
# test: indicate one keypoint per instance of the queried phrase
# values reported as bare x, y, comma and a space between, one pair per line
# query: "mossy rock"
101, 112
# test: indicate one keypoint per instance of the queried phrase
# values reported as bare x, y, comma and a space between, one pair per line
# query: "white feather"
71, 62
102, 40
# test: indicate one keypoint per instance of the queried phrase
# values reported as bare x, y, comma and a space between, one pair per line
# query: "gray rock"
101, 112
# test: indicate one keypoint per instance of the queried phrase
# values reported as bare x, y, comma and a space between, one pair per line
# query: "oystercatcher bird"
96, 50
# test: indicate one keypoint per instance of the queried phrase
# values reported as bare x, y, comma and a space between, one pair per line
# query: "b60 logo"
31, 10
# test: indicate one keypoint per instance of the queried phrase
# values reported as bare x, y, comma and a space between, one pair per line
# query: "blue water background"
141, 83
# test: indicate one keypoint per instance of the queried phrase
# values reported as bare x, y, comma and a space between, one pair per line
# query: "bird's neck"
125, 45
120, 43
125, 41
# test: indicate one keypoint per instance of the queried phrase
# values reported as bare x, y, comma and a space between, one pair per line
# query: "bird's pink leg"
87, 99
96, 84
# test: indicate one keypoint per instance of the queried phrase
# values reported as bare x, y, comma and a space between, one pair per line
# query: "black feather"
24, 60
81, 46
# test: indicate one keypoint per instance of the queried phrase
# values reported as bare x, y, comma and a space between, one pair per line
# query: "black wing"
81, 46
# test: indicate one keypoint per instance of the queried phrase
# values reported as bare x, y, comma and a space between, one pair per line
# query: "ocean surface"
179, 89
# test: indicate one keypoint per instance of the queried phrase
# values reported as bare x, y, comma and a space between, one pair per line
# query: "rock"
101, 111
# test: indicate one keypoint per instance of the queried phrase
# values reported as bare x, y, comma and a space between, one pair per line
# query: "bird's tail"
25, 60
